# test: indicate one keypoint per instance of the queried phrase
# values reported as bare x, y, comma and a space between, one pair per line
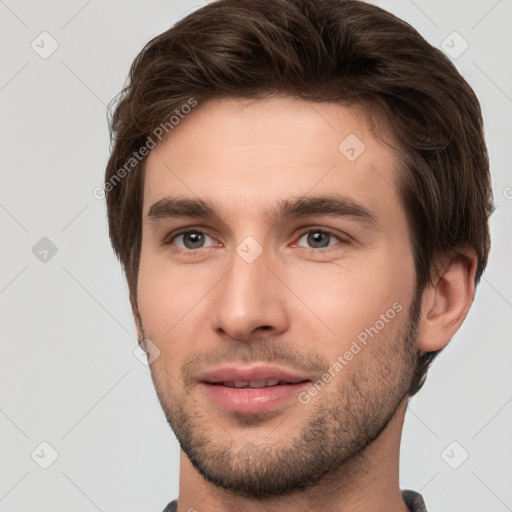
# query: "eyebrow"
332, 205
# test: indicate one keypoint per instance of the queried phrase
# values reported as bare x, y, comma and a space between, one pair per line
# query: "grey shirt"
412, 499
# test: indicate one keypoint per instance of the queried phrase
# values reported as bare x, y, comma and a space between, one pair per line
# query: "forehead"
249, 155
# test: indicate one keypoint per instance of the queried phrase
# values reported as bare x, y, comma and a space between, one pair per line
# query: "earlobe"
447, 302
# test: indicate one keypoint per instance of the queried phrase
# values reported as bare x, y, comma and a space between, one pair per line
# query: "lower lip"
252, 400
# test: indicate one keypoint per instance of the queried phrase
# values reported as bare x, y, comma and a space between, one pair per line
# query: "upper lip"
251, 373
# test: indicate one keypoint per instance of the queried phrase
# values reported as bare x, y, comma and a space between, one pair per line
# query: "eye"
191, 239
319, 238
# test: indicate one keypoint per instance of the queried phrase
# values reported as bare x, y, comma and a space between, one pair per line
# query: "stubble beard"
345, 418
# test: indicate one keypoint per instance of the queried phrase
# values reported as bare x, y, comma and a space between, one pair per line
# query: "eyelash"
169, 241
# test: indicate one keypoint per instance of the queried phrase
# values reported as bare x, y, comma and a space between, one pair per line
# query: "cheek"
157, 296
171, 301
345, 300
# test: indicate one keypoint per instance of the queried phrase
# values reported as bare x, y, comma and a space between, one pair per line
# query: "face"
277, 281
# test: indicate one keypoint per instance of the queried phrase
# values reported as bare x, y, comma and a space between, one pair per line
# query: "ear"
137, 318
446, 302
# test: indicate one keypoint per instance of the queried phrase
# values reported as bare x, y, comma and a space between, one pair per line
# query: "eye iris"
315, 237
197, 239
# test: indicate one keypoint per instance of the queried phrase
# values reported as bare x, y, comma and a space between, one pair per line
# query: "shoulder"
172, 507
414, 500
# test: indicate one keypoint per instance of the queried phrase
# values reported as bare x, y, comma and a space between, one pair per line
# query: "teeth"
252, 383
258, 383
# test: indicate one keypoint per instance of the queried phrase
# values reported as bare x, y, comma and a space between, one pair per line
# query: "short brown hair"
344, 51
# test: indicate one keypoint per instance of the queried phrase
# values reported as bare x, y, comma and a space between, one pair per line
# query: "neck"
368, 481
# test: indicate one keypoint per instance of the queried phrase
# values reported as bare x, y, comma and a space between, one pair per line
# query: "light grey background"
68, 373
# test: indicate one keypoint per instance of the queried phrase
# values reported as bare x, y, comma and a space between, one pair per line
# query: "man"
299, 194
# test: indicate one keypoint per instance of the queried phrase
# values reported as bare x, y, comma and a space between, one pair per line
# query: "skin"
297, 304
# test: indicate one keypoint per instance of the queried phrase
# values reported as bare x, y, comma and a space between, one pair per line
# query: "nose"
250, 299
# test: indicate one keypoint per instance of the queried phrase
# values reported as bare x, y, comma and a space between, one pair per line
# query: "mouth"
254, 384
252, 390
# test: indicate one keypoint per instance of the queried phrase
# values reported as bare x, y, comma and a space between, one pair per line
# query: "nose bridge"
245, 285
247, 298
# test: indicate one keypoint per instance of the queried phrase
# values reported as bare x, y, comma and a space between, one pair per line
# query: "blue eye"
319, 238
192, 239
